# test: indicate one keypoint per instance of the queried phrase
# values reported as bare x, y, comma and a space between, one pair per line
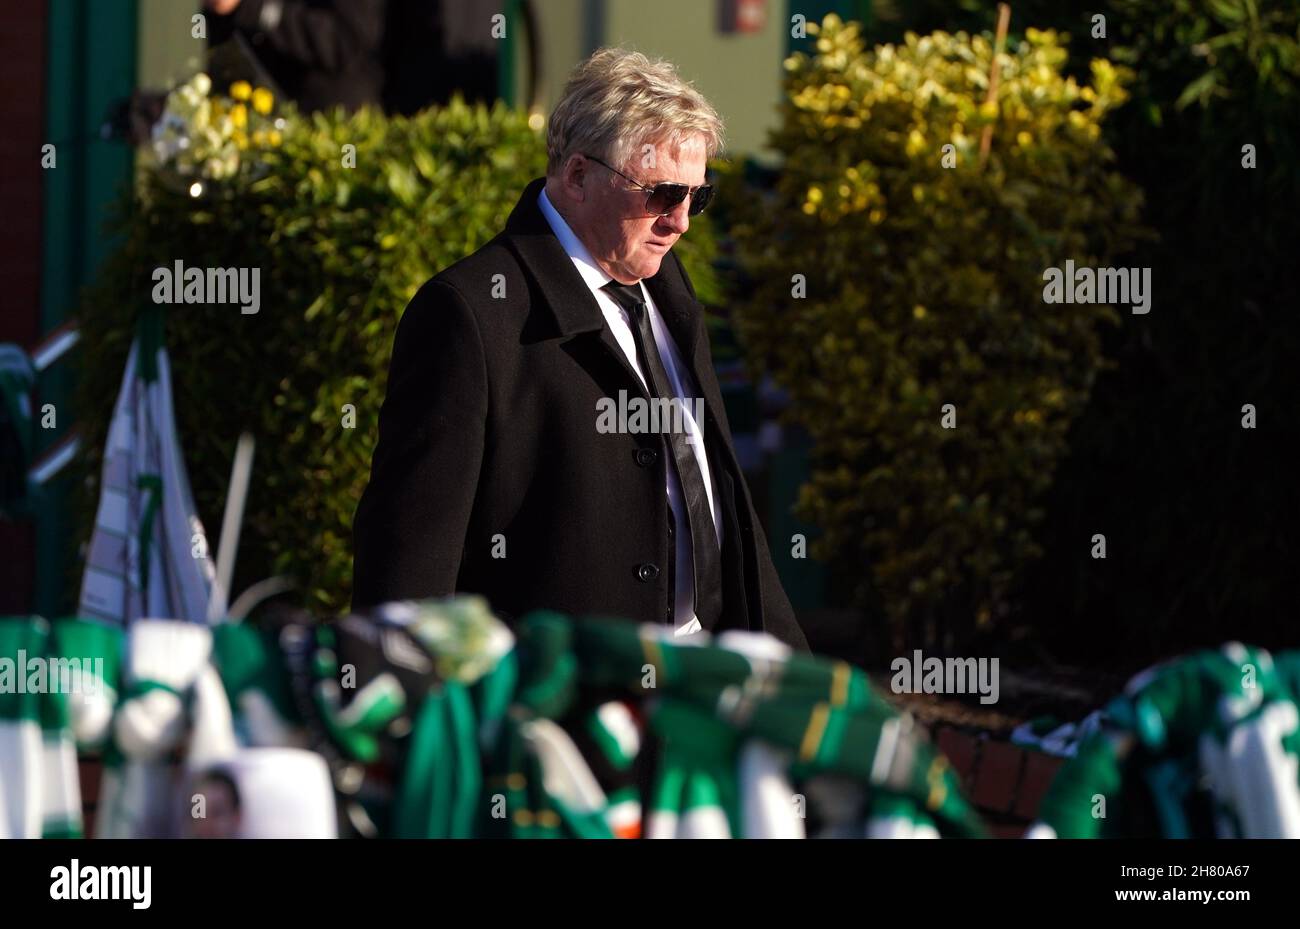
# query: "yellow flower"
241, 90
263, 100
274, 137
239, 115
918, 312
240, 138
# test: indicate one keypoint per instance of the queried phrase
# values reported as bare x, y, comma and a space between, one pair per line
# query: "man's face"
608, 213
222, 820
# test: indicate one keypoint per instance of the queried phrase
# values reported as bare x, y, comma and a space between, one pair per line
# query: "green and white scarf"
750, 735
148, 555
172, 703
57, 689
708, 704
1216, 730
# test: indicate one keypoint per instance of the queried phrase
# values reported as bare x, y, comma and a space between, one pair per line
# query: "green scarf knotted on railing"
535, 734
707, 702
1201, 747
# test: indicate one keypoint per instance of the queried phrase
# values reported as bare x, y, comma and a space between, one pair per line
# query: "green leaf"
1198, 91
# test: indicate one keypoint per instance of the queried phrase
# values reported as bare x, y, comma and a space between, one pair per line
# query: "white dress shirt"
683, 387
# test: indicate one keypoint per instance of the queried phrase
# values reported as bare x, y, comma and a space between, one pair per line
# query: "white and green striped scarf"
173, 701
56, 692
1218, 725
148, 554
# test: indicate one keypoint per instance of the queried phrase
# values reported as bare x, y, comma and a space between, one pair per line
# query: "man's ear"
574, 178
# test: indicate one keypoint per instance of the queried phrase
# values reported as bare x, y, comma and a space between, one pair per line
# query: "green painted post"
816, 10
510, 46
90, 66
804, 578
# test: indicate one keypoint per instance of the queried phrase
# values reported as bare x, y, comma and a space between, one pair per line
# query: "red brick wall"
22, 114
1003, 781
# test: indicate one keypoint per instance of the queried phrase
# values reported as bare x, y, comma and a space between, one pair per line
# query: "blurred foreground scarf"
57, 690
1204, 746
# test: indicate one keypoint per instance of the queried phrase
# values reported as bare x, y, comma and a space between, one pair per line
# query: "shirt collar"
591, 273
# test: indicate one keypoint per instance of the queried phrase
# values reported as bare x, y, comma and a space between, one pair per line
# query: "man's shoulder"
482, 277
488, 281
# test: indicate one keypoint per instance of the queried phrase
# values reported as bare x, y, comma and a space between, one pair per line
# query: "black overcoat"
490, 475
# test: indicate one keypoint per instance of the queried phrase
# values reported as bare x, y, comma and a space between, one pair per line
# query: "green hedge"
1203, 510
1196, 508
924, 287
341, 251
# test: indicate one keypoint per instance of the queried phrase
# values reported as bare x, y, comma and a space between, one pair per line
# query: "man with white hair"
501, 467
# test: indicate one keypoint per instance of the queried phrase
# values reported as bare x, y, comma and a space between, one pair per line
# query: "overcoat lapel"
566, 296
578, 316
574, 307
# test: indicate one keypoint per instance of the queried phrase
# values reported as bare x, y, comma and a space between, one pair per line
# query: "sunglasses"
662, 199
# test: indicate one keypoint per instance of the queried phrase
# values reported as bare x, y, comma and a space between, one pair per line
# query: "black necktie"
705, 554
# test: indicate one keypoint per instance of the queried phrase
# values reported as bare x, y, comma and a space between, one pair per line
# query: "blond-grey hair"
618, 101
